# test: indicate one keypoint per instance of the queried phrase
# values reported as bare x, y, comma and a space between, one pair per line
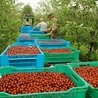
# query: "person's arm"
49, 29
53, 28
49, 33
37, 26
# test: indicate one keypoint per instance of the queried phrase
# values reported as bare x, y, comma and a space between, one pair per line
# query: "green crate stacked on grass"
92, 92
40, 36
79, 91
61, 57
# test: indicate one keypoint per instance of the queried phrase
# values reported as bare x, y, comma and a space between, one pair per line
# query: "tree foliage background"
9, 23
27, 10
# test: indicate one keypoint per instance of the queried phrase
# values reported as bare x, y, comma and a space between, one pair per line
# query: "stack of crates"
34, 33
35, 63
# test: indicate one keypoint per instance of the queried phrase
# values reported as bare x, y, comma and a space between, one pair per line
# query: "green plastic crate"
92, 92
62, 57
76, 92
39, 36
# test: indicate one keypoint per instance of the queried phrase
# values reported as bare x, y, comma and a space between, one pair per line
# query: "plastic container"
61, 57
40, 36
22, 61
76, 92
36, 29
25, 38
37, 32
92, 92
26, 29
53, 43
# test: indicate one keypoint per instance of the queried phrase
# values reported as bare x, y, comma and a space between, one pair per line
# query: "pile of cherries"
24, 83
57, 50
22, 50
90, 74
